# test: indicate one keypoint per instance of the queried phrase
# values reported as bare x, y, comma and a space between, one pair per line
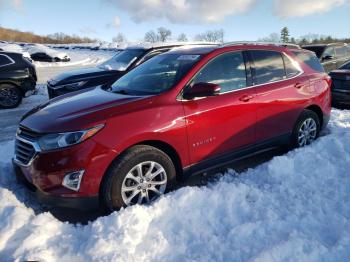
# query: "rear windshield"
310, 60
123, 59
318, 50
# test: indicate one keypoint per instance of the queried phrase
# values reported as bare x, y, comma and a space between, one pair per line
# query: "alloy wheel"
144, 183
307, 132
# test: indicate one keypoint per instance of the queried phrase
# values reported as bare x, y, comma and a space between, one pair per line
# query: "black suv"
17, 79
332, 56
107, 72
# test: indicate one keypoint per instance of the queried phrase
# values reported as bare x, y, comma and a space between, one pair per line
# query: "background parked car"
45, 54
15, 48
332, 56
17, 79
107, 72
341, 85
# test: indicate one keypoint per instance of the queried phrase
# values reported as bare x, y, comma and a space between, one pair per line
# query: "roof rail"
287, 45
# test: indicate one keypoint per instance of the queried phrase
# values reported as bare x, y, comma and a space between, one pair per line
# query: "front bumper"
44, 172
80, 203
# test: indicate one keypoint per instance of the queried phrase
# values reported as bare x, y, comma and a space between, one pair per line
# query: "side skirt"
237, 155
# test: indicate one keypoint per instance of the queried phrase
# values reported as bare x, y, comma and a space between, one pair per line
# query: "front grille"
27, 134
25, 145
24, 152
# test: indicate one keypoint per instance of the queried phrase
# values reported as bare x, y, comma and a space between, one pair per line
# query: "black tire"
304, 116
56, 59
110, 191
10, 96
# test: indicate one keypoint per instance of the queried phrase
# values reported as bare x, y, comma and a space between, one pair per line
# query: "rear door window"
268, 66
310, 60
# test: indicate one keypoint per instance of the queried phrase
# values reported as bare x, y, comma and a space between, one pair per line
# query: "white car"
15, 49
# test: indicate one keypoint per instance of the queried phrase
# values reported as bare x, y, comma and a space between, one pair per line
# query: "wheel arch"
7, 82
318, 111
161, 145
169, 150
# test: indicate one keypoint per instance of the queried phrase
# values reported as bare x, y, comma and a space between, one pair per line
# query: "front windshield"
156, 75
122, 60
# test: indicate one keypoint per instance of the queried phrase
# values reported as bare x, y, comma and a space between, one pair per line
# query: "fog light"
72, 180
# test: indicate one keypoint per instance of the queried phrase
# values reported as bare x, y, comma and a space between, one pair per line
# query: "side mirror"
202, 90
327, 57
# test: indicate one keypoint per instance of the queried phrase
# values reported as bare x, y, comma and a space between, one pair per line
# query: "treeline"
11, 35
163, 34
285, 37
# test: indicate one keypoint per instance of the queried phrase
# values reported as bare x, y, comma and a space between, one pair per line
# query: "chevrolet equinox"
180, 112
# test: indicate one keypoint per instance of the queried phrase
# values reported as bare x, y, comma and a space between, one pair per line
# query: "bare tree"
272, 38
182, 38
211, 36
163, 34
120, 38
151, 36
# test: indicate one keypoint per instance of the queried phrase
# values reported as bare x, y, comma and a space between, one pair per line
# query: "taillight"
329, 81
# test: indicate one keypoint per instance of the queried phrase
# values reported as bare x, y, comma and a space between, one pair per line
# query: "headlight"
73, 86
60, 140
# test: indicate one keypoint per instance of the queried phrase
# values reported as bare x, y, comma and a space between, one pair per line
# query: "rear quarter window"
310, 60
292, 67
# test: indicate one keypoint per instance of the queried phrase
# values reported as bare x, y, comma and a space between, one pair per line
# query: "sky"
240, 19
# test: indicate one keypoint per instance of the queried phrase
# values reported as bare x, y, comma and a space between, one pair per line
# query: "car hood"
77, 111
81, 75
340, 74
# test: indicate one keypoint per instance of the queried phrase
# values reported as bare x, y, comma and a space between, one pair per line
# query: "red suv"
181, 112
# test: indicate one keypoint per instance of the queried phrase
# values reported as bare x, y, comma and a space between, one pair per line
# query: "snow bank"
292, 208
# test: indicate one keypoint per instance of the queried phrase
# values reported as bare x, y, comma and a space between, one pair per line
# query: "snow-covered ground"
292, 208
79, 58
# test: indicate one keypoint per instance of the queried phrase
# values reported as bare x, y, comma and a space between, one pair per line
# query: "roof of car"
204, 49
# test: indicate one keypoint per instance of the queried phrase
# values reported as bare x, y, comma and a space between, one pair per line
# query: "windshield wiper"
121, 91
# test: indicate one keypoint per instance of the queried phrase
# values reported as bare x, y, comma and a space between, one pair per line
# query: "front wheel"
306, 130
139, 176
10, 96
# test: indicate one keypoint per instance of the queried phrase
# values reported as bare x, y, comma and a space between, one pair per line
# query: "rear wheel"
10, 96
306, 130
139, 176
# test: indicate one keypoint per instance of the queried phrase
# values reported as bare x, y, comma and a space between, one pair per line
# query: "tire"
125, 171
10, 96
306, 129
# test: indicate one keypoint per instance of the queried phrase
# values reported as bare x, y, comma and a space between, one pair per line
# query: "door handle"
298, 85
245, 98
